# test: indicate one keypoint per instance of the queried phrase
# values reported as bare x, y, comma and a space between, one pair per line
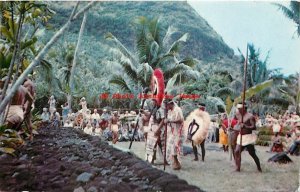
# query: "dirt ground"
217, 173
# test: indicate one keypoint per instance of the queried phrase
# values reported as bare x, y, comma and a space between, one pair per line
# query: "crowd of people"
291, 142
113, 126
199, 127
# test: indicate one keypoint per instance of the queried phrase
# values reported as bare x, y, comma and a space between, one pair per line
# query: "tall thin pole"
165, 134
243, 100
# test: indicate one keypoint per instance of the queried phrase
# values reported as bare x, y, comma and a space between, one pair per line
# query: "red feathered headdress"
158, 86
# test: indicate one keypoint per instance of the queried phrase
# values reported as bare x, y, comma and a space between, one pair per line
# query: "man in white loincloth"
248, 139
114, 127
15, 114
155, 135
145, 123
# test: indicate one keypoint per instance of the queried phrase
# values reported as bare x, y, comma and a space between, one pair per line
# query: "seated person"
288, 141
88, 129
277, 145
56, 119
295, 147
45, 116
68, 123
98, 130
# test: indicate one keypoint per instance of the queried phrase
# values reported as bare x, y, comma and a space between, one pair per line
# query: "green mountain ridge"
118, 17
98, 59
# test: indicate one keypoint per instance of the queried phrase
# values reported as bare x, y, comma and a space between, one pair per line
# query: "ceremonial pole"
243, 100
165, 134
145, 91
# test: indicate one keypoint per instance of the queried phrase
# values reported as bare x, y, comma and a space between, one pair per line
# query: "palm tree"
153, 51
292, 12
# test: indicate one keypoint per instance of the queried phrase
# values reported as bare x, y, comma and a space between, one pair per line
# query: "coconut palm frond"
224, 91
295, 7
120, 82
216, 102
129, 70
189, 61
254, 90
144, 74
286, 11
154, 29
121, 47
143, 45
188, 75
171, 83
175, 47
174, 70
167, 38
154, 51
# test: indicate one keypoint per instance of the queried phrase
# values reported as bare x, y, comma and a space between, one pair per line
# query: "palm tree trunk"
71, 82
37, 59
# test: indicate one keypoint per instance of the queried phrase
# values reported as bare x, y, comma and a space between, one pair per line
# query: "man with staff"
175, 134
246, 123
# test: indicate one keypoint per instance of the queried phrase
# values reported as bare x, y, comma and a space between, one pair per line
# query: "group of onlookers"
291, 142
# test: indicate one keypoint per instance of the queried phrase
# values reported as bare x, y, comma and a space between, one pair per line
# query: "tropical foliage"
153, 51
292, 12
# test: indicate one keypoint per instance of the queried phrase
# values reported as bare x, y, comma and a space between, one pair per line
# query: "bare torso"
114, 120
146, 118
20, 96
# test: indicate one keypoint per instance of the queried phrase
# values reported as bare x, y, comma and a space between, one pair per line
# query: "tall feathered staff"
158, 86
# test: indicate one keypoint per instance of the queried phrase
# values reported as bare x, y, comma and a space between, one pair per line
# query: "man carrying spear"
246, 122
175, 134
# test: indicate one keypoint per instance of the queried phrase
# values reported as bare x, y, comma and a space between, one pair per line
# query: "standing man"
83, 104
145, 120
155, 135
248, 139
95, 118
29, 104
175, 135
197, 125
52, 108
105, 117
114, 127
65, 112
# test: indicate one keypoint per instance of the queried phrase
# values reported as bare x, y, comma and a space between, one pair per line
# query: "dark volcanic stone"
46, 168
122, 187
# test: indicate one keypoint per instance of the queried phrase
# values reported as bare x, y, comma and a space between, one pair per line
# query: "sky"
260, 23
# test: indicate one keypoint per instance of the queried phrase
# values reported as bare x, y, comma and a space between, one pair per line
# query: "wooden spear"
243, 100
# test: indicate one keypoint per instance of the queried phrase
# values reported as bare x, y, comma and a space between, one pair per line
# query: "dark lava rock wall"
66, 159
